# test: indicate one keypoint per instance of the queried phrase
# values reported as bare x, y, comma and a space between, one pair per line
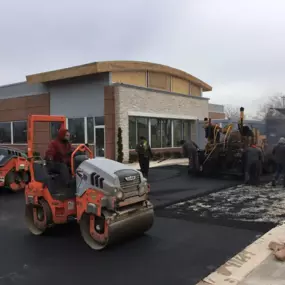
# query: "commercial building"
216, 111
162, 103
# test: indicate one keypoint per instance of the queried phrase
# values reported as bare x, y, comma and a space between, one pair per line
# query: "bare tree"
267, 109
232, 112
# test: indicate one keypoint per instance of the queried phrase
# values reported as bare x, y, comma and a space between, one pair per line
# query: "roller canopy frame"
32, 119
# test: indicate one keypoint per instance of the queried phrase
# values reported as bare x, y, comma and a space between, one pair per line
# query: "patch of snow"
243, 202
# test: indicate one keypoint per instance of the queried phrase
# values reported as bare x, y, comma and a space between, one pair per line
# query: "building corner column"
109, 114
122, 121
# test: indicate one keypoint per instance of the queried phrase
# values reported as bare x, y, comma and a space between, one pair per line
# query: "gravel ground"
259, 207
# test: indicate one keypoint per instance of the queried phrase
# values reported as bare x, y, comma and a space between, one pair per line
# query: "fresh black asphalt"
174, 251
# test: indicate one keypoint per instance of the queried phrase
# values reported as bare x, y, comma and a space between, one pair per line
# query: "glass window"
177, 132
187, 130
76, 129
142, 127
20, 132
5, 132
54, 128
132, 133
166, 133
99, 121
155, 132
90, 129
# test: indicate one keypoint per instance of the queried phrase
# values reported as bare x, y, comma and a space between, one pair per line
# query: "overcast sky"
238, 47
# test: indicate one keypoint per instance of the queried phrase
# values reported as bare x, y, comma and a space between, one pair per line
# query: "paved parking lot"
173, 252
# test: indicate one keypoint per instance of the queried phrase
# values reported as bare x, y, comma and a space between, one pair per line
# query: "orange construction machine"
108, 199
14, 169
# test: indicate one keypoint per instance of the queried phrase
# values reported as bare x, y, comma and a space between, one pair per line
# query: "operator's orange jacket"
59, 150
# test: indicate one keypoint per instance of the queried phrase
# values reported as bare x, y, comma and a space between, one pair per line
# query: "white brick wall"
133, 100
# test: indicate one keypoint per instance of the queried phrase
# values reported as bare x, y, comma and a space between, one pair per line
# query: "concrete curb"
160, 164
236, 269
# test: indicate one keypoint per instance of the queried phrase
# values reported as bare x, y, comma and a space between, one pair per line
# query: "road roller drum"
117, 228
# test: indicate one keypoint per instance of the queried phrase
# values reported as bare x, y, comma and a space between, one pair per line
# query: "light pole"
283, 101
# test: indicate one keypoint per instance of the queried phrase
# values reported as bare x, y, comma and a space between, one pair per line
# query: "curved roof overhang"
113, 66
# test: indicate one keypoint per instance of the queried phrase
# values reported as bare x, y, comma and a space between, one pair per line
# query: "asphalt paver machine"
224, 153
108, 199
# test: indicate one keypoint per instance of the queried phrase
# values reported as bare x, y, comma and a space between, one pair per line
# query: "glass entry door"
99, 140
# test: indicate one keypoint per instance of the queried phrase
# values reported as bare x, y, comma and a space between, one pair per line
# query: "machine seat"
78, 159
54, 182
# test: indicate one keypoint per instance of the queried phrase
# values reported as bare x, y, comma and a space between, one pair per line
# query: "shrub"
167, 154
157, 156
120, 146
177, 154
133, 157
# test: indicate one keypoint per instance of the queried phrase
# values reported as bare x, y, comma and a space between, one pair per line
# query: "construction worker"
58, 155
212, 131
144, 154
190, 150
253, 164
279, 157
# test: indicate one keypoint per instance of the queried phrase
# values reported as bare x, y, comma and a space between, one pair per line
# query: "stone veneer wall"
154, 102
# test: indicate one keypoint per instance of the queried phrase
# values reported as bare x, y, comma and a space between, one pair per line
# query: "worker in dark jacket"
144, 154
58, 155
279, 157
59, 150
253, 164
190, 150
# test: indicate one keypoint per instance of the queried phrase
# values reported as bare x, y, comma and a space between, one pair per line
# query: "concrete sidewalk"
167, 162
255, 265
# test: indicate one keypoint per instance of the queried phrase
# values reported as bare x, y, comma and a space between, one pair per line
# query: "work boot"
273, 183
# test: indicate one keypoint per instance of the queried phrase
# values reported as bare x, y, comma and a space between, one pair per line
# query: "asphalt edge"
236, 269
264, 181
162, 164
195, 196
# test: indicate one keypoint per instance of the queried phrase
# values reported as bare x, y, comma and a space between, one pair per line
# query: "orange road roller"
108, 199
14, 169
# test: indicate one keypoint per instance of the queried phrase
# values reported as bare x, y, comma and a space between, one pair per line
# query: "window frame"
147, 124
11, 134
12, 131
67, 125
191, 121
93, 131
181, 131
136, 130
160, 130
84, 127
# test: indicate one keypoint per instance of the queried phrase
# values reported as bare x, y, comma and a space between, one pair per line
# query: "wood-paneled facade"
157, 80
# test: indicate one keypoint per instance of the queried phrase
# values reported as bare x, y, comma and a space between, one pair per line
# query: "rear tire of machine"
84, 224
10, 179
29, 218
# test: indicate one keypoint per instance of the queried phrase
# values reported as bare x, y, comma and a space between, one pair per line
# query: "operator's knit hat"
61, 133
